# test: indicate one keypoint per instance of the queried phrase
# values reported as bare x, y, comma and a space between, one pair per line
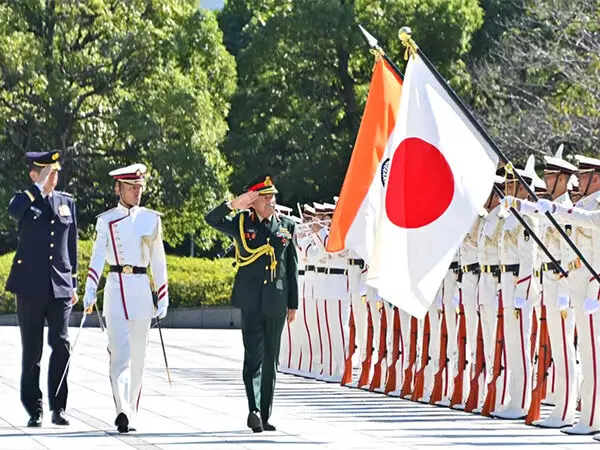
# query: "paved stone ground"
206, 407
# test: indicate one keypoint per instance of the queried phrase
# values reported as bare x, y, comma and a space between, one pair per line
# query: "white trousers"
127, 342
562, 338
488, 312
588, 331
312, 363
517, 335
294, 338
469, 286
449, 299
359, 313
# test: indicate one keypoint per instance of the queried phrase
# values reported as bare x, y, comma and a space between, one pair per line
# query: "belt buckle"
503, 268
127, 269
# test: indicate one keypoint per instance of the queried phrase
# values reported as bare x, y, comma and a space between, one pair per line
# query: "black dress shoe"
268, 427
254, 422
122, 423
35, 421
58, 417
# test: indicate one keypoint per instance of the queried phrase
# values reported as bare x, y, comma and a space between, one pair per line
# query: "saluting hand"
245, 200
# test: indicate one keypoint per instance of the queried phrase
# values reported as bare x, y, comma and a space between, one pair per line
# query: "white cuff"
562, 303
520, 302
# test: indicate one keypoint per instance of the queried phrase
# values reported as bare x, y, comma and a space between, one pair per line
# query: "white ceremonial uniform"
315, 257
337, 312
356, 290
128, 237
470, 279
294, 336
560, 318
450, 300
487, 297
584, 297
432, 365
518, 255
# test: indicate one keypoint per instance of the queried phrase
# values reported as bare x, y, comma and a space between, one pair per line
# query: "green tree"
539, 86
303, 74
113, 82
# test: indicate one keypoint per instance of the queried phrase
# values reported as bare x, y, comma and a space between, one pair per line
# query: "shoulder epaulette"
105, 212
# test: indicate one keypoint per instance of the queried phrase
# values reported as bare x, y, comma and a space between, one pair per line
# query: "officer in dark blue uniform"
43, 277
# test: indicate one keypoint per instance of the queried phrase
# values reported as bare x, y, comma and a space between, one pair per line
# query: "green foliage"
303, 74
112, 83
193, 282
539, 87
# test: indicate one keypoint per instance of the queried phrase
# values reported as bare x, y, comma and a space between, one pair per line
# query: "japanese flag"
438, 173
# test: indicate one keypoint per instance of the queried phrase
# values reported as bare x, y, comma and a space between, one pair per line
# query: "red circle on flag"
420, 184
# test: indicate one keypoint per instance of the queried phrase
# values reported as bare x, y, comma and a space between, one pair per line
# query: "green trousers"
262, 337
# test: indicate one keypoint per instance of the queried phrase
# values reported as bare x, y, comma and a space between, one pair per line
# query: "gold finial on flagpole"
405, 34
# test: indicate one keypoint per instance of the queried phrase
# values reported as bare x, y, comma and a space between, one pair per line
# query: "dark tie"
48, 203
266, 223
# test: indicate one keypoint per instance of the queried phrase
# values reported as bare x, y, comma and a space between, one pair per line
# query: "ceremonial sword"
83, 317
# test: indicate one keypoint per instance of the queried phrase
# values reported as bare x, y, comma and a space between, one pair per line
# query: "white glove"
520, 302
527, 207
563, 303
161, 312
545, 206
509, 201
591, 305
89, 299
456, 301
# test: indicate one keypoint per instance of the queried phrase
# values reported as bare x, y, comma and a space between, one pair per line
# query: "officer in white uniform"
518, 256
129, 239
560, 315
470, 278
488, 293
584, 289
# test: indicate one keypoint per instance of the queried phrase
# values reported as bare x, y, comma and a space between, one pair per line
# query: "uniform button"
265, 282
52, 221
52, 233
19, 261
51, 258
266, 267
51, 245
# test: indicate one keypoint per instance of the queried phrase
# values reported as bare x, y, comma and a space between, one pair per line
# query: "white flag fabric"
438, 174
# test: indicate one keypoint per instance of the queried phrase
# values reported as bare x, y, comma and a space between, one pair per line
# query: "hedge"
192, 281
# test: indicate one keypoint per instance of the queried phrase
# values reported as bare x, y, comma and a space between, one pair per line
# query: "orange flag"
355, 218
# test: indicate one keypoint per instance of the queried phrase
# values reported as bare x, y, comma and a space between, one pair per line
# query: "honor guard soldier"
560, 315
129, 239
265, 287
583, 287
518, 254
44, 278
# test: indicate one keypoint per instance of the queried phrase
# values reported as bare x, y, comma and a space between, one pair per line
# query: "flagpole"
404, 34
372, 42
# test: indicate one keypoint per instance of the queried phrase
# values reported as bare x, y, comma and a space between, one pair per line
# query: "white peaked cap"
132, 174
557, 162
585, 162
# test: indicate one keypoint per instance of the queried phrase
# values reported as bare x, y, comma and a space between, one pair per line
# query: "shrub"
192, 281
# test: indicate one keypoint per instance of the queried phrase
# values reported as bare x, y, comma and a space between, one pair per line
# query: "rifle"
479, 369
490, 400
543, 364
457, 395
390, 385
438, 383
420, 375
347, 377
382, 352
365, 372
412, 359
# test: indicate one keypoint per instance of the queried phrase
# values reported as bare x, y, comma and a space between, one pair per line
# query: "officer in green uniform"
265, 287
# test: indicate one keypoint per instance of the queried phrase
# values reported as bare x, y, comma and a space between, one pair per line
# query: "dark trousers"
262, 336
32, 312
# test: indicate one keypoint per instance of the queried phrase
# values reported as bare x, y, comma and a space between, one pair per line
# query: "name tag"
64, 211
